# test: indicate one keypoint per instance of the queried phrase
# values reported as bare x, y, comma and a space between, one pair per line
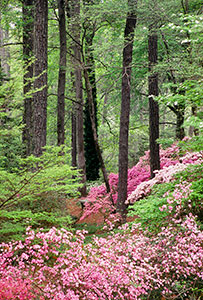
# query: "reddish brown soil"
75, 210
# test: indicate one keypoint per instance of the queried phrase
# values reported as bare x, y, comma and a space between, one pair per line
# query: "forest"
101, 149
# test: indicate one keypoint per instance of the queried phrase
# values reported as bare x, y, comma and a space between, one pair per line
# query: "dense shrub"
182, 195
129, 264
139, 183
35, 193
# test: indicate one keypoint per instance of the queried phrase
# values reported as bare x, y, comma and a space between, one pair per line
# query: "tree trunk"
40, 72
153, 105
28, 31
73, 138
180, 114
125, 109
91, 157
62, 74
92, 114
75, 15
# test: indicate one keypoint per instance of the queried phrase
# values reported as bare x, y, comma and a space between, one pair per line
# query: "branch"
10, 44
52, 94
21, 188
173, 109
169, 123
110, 130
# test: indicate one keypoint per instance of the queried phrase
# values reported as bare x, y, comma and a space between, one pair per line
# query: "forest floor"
75, 210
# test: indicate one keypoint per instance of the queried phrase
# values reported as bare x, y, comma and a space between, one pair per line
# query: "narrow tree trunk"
194, 113
80, 136
73, 138
91, 157
92, 114
75, 15
62, 74
28, 31
40, 72
153, 105
125, 109
180, 114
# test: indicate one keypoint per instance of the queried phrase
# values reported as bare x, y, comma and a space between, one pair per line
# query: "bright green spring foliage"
35, 193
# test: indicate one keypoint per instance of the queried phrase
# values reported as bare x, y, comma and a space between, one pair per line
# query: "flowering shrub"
139, 183
179, 197
129, 264
164, 175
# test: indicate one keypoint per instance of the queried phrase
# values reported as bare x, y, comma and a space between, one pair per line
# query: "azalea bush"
173, 160
182, 195
129, 264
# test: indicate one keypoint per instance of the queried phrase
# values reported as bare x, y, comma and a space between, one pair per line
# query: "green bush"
35, 193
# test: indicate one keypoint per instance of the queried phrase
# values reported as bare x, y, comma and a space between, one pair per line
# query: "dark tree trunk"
91, 157
62, 74
92, 114
75, 21
194, 113
125, 109
69, 12
153, 105
40, 72
73, 139
80, 132
180, 114
28, 31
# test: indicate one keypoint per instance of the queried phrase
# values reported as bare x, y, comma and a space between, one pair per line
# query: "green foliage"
147, 209
35, 193
193, 144
10, 122
36, 176
14, 223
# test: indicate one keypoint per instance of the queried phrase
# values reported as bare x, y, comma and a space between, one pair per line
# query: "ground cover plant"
129, 264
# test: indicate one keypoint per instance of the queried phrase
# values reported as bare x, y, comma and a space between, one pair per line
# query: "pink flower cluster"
179, 202
128, 265
139, 183
164, 175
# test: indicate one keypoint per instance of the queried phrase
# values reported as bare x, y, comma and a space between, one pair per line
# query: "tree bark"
153, 105
125, 109
28, 39
62, 74
75, 21
91, 157
40, 73
73, 138
92, 114
180, 114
